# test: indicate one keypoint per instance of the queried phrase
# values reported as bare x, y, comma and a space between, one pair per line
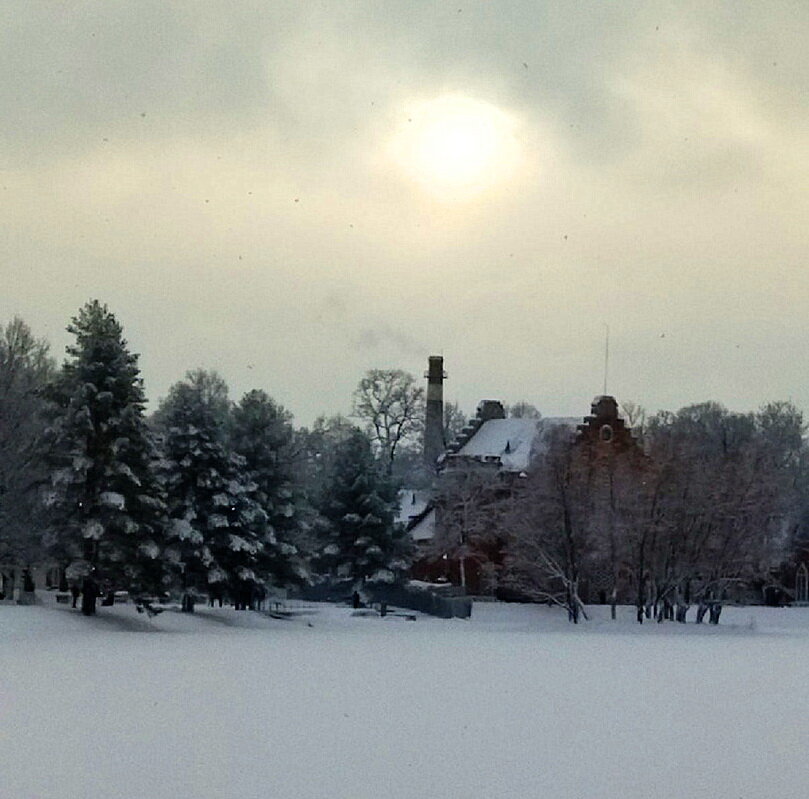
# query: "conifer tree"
262, 434
106, 502
218, 531
315, 451
364, 543
25, 370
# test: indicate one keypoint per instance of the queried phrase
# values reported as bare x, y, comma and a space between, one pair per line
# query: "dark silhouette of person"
89, 595
216, 593
75, 592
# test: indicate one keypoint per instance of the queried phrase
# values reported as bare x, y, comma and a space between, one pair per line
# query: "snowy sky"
292, 193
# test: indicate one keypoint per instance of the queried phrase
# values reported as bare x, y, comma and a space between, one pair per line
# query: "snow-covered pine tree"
262, 434
364, 543
218, 530
107, 505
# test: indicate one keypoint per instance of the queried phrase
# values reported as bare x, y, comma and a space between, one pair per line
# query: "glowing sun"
456, 146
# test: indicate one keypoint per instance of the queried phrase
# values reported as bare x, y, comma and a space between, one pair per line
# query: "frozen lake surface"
512, 703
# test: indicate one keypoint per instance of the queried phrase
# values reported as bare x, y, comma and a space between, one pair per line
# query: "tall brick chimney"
434, 444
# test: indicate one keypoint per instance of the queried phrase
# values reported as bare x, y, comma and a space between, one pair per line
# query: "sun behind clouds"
456, 147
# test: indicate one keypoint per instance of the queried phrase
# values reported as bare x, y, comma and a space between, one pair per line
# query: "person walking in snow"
75, 592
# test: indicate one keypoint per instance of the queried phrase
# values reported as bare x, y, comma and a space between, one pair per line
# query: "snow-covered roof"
412, 503
510, 442
424, 528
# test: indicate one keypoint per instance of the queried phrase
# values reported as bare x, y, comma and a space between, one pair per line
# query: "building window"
605, 434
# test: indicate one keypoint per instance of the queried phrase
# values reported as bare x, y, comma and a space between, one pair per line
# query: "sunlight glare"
456, 146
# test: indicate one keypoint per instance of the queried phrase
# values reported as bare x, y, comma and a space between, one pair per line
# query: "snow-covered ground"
513, 703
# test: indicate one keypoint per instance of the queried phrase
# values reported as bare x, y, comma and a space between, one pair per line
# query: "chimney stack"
434, 444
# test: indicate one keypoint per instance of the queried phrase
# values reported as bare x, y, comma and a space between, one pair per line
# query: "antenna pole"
606, 356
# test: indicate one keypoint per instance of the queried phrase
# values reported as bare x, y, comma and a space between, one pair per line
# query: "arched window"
605, 433
802, 584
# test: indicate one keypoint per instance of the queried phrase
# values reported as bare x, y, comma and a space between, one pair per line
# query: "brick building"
451, 525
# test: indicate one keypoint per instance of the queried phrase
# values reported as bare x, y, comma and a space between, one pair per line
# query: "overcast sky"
293, 193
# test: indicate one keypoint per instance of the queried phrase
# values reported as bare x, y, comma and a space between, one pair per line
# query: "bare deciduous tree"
706, 508
548, 526
454, 421
726, 488
391, 406
470, 506
635, 416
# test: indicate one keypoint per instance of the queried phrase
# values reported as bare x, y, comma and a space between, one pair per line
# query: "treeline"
211, 497
206, 496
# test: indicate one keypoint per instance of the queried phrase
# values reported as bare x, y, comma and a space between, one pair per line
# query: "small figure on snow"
75, 592
259, 597
89, 595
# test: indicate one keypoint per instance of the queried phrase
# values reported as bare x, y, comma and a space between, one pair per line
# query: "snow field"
514, 703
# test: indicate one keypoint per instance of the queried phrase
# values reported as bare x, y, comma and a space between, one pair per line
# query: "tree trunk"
187, 603
715, 612
702, 609
640, 601
665, 611
572, 610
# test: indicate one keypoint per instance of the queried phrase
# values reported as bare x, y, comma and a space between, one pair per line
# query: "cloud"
220, 176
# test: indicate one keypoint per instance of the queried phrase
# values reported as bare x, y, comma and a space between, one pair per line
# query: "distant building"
499, 450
